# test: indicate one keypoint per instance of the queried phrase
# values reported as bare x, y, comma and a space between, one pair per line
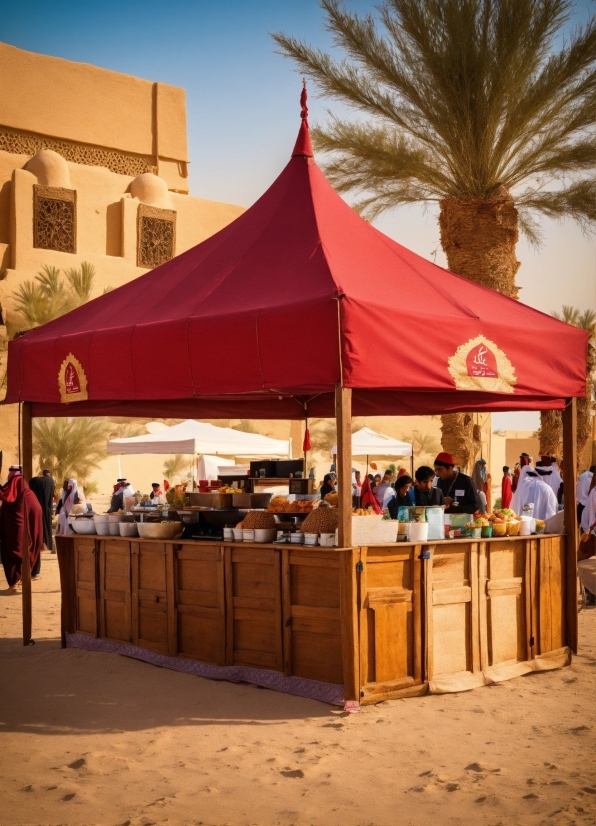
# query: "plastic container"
486, 531
418, 531
228, 534
311, 538
101, 518
297, 538
128, 529
525, 528
248, 535
83, 526
238, 534
477, 533
513, 528
327, 540
158, 530
102, 528
114, 528
114, 517
265, 534
499, 528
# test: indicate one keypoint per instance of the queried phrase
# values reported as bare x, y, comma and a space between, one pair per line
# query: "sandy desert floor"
90, 738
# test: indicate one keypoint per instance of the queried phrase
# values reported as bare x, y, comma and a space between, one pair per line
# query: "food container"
103, 528
539, 525
297, 538
525, 528
458, 520
83, 526
513, 528
311, 538
114, 528
228, 534
499, 528
219, 501
238, 534
417, 531
248, 535
159, 530
327, 540
101, 517
115, 517
265, 534
128, 529
477, 532
486, 531
241, 500
402, 529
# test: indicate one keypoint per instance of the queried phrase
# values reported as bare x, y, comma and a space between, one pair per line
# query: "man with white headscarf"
532, 488
550, 474
68, 499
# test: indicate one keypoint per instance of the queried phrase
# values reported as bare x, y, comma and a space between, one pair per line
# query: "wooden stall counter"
366, 623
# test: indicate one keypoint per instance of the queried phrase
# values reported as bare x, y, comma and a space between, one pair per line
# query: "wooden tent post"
27, 464
569, 481
343, 419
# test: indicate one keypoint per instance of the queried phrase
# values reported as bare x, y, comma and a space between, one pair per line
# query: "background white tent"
366, 442
208, 465
199, 437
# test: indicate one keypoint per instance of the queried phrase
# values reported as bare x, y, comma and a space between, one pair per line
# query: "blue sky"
242, 102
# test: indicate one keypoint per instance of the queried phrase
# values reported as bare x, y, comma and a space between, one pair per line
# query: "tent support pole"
569, 480
27, 464
343, 420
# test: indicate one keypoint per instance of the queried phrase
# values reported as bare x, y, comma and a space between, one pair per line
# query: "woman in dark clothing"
403, 496
328, 486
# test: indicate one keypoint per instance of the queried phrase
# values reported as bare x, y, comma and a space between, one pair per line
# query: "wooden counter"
385, 621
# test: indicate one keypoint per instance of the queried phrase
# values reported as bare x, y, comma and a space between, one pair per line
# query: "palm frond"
578, 201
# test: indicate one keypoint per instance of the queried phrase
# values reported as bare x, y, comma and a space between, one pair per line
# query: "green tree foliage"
53, 293
460, 98
177, 468
70, 448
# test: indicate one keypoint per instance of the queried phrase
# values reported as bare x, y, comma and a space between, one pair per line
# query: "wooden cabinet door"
85, 565
550, 616
153, 608
503, 581
311, 615
452, 610
390, 621
114, 590
200, 599
253, 607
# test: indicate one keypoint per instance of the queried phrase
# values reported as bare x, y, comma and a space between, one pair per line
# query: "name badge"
460, 493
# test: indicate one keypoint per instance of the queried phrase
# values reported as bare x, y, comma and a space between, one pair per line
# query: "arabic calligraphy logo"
480, 365
72, 380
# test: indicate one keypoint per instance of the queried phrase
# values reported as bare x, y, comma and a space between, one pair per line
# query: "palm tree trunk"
478, 236
550, 433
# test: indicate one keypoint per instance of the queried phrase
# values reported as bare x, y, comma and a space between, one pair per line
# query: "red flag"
306, 443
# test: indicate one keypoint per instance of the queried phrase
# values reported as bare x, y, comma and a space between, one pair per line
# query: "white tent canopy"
366, 442
199, 437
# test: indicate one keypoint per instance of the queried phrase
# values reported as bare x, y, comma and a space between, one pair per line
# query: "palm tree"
471, 105
177, 467
52, 295
70, 448
550, 432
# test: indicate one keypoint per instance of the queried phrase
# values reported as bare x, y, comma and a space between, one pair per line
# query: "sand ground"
90, 738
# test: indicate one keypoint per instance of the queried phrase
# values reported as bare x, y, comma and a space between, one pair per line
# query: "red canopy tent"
298, 308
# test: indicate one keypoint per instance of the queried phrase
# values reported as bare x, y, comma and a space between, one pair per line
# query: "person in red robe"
506, 492
19, 503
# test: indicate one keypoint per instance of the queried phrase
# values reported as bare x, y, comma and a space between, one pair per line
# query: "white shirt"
552, 479
589, 512
534, 489
583, 487
384, 493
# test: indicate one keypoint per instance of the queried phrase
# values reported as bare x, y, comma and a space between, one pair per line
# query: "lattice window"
55, 218
156, 236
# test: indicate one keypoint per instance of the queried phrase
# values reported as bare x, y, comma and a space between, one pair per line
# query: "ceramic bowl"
265, 534
159, 530
83, 526
128, 528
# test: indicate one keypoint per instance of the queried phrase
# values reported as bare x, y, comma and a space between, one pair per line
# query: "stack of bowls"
101, 522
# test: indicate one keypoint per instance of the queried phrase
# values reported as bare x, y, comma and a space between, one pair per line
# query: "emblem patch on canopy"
72, 381
480, 365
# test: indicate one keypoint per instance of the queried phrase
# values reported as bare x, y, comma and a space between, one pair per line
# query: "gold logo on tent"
72, 380
480, 365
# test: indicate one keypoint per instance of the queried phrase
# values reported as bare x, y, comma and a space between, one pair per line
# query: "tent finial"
303, 145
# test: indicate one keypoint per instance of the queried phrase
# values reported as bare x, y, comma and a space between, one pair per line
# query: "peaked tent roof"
296, 296
366, 442
201, 437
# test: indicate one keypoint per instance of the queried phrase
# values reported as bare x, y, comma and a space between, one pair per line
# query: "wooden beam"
27, 440
343, 463
571, 539
26, 581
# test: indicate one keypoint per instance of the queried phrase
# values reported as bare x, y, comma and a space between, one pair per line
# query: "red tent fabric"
296, 296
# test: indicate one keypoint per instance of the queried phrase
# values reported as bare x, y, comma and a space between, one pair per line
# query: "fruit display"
333, 499
280, 504
363, 512
540, 524
228, 489
321, 520
257, 519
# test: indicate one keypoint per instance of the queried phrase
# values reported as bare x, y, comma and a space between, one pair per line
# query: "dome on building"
151, 189
49, 168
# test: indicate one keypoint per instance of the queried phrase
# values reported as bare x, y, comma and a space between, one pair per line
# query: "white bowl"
327, 540
102, 528
83, 526
159, 530
265, 534
115, 517
228, 534
238, 534
128, 529
311, 538
248, 535
101, 518
296, 538
114, 528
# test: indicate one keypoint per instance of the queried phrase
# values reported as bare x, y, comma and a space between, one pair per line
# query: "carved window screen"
54, 218
156, 236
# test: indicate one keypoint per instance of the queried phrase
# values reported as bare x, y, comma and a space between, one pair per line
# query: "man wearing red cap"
457, 488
